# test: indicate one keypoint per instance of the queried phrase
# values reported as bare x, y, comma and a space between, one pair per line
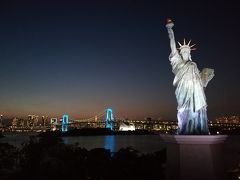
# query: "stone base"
197, 157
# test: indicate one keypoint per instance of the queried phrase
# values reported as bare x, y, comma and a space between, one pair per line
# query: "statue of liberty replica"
190, 84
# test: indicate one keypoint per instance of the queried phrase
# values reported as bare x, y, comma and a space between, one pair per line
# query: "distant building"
32, 120
229, 119
44, 121
53, 124
14, 122
1, 120
21, 123
126, 127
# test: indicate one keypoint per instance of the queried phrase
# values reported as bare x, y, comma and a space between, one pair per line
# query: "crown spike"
186, 45
192, 49
192, 45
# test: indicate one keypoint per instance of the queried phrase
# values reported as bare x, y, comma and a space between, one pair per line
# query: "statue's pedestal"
194, 157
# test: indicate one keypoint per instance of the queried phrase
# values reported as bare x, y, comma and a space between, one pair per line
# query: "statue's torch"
169, 23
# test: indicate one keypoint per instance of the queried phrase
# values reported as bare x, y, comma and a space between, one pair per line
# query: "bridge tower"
65, 123
109, 118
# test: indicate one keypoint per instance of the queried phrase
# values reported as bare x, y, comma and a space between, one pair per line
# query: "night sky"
79, 57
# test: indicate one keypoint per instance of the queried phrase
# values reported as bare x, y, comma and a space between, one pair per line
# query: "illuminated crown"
186, 45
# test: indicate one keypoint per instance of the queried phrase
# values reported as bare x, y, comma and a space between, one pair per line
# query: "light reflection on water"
142, 143
109, 143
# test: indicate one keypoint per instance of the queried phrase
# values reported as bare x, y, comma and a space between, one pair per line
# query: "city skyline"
83, 57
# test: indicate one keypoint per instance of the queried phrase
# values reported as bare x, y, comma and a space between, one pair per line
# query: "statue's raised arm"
169, 27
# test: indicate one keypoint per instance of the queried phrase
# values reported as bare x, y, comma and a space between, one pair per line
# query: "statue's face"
185, 53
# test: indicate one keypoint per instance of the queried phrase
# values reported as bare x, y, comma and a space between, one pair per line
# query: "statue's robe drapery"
192, 106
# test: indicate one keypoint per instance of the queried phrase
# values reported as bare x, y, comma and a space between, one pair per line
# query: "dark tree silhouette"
49, 158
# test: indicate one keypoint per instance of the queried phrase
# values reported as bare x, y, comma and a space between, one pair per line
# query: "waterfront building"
126, 127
